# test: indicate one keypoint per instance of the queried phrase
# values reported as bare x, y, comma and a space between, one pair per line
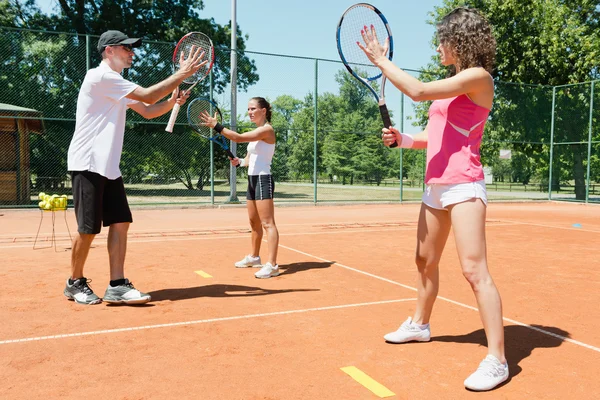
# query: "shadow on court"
520, 342
288, 269
217, 291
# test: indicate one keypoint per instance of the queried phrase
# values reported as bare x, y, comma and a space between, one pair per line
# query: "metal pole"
21, 132
587, 187
316, 114
401, 150
212, 158
551, 144
88, 61
233, 73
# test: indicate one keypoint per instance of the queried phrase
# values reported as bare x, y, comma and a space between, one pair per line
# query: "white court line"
201, 321
102, 242
564, 338
222, 228
243, 230
568, 228
216, 236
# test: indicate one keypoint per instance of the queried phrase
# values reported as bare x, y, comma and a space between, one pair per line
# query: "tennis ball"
41, 204
41, 195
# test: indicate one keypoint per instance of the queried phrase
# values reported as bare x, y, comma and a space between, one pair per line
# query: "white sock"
422, 327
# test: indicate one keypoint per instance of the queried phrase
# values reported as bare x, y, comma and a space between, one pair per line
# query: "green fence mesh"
538, 137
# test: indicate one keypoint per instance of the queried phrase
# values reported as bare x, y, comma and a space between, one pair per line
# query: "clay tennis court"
213, 331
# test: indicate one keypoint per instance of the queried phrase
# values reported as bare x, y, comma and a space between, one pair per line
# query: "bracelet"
218, 127
407, 141
242, 162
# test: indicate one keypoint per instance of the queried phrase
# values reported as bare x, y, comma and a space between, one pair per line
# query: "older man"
95, 153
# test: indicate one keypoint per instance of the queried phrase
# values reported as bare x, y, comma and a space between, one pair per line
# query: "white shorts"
440, 196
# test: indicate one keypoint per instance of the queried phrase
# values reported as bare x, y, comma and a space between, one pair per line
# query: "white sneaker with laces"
490, 373
249, 261
409, 332
267, 271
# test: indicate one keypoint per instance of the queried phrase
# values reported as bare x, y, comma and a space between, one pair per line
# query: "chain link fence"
541, 142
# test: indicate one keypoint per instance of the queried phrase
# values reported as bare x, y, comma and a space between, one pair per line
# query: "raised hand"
189, 65
374, 51
209, 121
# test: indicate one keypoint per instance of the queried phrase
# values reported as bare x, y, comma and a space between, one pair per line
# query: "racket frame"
217, 137
175, 61
380, 98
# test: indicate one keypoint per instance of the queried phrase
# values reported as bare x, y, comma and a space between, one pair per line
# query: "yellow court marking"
368, 382
203, 274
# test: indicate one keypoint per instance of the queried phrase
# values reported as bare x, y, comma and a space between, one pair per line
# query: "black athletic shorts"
98, 200
260, 187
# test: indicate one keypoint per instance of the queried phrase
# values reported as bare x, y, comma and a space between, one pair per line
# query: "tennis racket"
354, 19
195, 108
200, 40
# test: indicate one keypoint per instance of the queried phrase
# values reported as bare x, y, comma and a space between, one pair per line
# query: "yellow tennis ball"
41, 195
41, 204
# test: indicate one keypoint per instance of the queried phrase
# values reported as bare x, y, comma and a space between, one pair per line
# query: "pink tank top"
454, 135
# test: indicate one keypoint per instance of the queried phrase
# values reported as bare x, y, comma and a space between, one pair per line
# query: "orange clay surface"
348, 278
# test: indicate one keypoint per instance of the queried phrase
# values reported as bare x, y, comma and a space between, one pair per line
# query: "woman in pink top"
455, 196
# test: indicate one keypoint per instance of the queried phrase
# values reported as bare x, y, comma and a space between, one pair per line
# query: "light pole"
233, 79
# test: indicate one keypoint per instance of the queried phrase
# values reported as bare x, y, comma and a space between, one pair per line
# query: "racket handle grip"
172, 118
387, 122
230, 154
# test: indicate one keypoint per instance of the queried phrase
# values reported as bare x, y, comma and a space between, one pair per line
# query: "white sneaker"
409, 332
490, 373
249, 261
267, 271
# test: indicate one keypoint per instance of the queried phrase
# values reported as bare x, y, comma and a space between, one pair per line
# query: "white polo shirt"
100, 122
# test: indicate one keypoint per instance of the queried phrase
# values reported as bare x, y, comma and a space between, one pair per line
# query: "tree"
49, 68
284, 108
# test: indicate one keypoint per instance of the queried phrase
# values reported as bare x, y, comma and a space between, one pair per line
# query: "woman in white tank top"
261, 147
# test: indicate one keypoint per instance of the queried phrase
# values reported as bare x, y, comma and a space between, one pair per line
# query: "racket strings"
196, 108
185, 45
353, 22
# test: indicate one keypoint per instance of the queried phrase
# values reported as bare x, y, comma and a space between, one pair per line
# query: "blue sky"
307, 28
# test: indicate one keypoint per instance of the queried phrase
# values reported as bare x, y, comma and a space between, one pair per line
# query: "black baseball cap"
113, 38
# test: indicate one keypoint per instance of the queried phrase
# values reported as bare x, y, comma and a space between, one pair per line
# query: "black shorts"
260, 187
98, 200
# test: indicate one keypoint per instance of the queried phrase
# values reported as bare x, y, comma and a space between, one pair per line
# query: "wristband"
218, 127
407, 141
242, 162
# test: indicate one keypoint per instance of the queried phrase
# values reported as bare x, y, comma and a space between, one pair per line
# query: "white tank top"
261, 154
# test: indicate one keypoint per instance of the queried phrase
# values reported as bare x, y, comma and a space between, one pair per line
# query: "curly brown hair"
468, 35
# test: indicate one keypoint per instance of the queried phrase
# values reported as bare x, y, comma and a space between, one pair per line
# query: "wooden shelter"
16, 123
